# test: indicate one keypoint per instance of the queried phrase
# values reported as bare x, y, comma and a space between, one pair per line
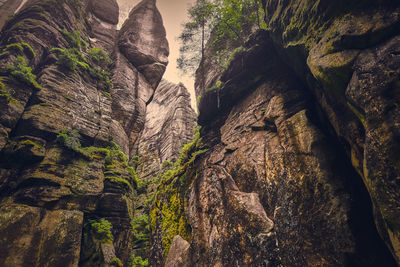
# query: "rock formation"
67, 191
170, 123
296, 164
8, 8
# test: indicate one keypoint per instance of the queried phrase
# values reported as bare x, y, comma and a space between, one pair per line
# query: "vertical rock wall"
59, 193
300, 132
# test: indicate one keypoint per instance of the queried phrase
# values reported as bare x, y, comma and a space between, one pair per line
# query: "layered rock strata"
301, 132
67, 191
170, 124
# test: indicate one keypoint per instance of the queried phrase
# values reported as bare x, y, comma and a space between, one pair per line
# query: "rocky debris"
178, 253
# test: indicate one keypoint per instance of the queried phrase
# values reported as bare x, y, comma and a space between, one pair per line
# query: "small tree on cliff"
228, 19
194, 36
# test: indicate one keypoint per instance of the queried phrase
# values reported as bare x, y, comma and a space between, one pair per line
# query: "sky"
174, 13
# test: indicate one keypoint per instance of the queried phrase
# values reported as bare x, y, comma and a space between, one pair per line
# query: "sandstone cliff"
170, 124
295, 164
73, 100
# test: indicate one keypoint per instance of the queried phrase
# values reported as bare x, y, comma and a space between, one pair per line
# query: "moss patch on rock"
22, 73
169, 202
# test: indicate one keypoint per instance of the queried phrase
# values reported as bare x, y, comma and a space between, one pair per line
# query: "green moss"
107, 94
118, 180
217, 86
235, 52
29, 143
116, 262
99, 57
141, 229
21, 48
5, 94
96, 63
168, 206
93, 152
70, 59
358, 113
74, 39
167, 164
69, 139
135, 160
22, 73
101, 230
103, 78
138, 262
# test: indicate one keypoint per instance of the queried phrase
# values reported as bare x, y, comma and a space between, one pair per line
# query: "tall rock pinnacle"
143, 41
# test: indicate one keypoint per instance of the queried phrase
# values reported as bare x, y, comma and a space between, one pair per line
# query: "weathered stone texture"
48, 190
170, 123
300, 150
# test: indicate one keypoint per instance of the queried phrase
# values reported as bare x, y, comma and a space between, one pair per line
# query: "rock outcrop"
66, 188
300, 132
8, 8
170, 123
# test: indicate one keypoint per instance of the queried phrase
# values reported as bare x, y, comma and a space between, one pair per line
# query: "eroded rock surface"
72, 194
291, 131
170, 123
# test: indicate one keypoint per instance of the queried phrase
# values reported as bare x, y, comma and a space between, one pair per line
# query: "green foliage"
194, 35
235, 19
5, 94
103, 77
74, 39
107, 94
116, 262
237, 50
166, 164
141, 228
99, 57
96, 63
70, 58
228, 20
168, 206
21, 48
118, 180
138, 262
218, 85
135, 160
22, 73
101, 230
69, 139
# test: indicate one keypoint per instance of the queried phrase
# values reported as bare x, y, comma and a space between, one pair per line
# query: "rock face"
300, 132
8, 7
144, 42
170, 123
66, 190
